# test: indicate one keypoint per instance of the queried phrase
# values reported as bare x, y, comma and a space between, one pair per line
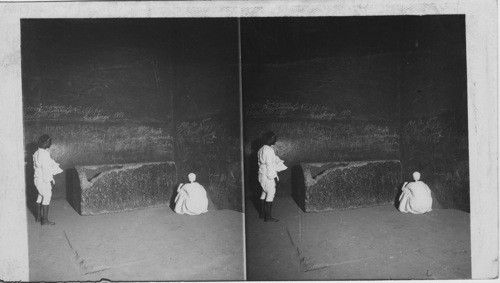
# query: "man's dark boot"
262, 209
268, 217
45, 219
38, 212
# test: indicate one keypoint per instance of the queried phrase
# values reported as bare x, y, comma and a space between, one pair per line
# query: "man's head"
269, 138
44, 141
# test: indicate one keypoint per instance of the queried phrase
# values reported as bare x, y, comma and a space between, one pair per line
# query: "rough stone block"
120, 187
345, 185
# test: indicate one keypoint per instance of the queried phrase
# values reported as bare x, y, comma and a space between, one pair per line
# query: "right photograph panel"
356, 147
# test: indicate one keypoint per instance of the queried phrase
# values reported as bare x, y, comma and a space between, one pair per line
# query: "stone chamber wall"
359, 96
167, 90
433, 89
332, 102
207, 114
105, 91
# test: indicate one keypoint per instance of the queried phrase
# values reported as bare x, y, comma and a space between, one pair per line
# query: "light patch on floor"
149, 244
367, 243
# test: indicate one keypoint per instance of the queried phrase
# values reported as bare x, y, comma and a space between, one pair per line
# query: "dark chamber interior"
341, 89
334, 89
119, 91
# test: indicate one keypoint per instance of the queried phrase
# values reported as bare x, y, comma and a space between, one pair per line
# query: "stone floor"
158, 245
367, 243
152, 244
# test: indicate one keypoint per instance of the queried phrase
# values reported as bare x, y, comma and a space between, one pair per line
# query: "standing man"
269, 166
45, 169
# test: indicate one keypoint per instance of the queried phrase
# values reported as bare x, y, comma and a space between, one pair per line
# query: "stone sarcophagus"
120, 187
344, 185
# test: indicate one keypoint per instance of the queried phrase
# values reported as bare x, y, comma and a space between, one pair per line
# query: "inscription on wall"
90, 144
291, 109
70, 112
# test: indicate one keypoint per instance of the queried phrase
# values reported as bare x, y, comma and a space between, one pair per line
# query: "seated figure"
416, 197
191, 198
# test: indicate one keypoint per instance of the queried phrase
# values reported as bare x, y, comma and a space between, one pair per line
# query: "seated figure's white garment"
415, 198
191, 199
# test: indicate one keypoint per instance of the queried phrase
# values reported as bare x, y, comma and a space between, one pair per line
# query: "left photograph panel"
132, 149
